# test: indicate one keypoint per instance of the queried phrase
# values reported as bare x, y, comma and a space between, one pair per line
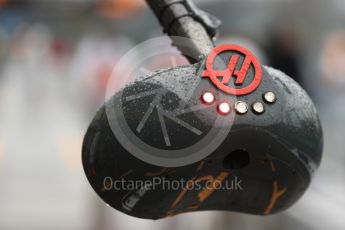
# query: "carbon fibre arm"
181, 18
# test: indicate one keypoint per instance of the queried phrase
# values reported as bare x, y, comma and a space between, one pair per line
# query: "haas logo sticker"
241, 74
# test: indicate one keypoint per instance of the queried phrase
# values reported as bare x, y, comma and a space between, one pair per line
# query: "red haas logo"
231, 71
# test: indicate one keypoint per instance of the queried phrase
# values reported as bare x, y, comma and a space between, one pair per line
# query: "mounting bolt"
258, 108
241, 107
270, 97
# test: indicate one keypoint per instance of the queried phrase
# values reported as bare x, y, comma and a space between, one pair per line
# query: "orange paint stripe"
126, 174
204, 194
275, 196
205, 178
201, 165
271, 162
182, 193
163, 170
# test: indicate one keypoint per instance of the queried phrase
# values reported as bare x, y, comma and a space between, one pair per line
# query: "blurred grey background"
56, 58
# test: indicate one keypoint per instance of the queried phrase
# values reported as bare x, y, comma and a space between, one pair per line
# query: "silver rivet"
270, 97
241, 107
258, 108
